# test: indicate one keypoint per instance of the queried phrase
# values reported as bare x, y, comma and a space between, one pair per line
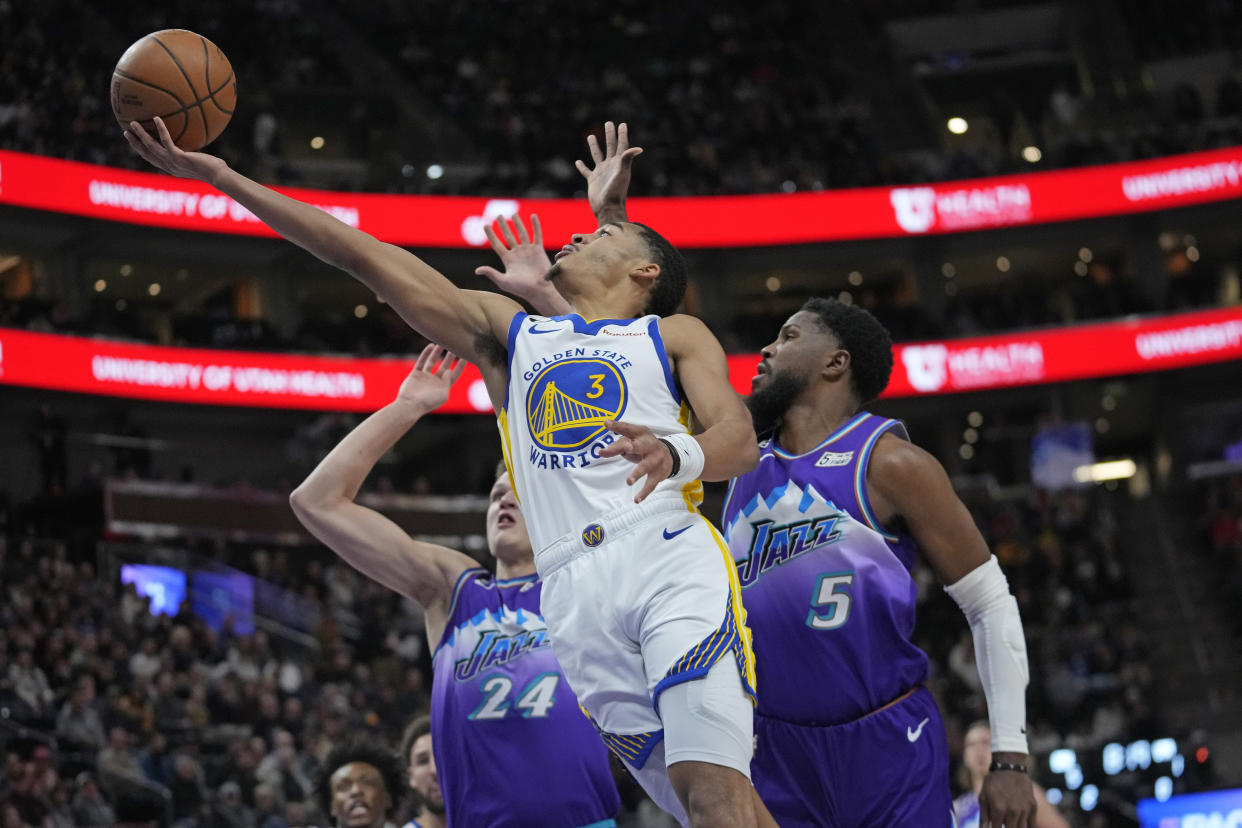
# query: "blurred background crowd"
114, 710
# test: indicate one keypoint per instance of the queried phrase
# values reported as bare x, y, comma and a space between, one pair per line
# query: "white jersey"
567, 376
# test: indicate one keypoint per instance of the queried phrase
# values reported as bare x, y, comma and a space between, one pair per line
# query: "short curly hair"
860, 333
368, 753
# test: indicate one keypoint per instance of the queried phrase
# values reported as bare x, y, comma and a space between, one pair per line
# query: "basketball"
183, 78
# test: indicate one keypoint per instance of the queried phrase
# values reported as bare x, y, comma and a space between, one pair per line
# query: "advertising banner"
332, 383
692, 222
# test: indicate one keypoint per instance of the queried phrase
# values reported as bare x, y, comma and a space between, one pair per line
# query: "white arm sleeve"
1000, 651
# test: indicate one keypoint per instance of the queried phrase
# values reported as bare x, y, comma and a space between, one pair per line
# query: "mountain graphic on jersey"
568, 402
775, 539
500, 636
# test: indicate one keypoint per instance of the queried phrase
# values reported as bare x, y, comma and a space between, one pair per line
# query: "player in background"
641, 601
824, 533
497, 690
358, 785
421, 772
976, 757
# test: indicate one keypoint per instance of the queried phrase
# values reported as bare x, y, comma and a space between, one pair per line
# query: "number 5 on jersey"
830, 602
535, 699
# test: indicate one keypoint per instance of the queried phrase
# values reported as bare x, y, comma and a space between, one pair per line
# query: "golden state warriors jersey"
567, 377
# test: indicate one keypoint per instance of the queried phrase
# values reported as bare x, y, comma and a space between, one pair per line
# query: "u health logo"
569, 401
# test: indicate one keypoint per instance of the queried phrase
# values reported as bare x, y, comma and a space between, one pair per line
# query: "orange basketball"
183, 78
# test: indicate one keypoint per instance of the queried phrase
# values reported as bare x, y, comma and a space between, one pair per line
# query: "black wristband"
676, 456
998, 765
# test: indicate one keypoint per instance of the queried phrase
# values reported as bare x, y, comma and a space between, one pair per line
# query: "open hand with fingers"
609, 182
525, 263
170, 158
427, 386
651, 457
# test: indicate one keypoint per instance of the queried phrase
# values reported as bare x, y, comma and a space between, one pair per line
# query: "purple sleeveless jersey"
512, 747
828, 593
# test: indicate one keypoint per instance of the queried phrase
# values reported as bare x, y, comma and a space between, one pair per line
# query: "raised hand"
428, 384
651, 458
525, 263
169, 157
609, 182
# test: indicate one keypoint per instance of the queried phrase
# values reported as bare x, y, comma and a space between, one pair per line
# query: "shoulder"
683, 324
683, 334
897, 464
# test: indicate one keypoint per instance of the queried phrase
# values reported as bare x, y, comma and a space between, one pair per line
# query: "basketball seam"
185, 107
167, 92
202, 113
186, 75
211, 93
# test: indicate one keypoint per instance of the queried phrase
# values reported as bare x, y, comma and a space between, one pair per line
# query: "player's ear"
645, 274
836, 365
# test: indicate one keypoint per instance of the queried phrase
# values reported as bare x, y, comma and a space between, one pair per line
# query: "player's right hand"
609, 183
651, 458
427, 386
169, 157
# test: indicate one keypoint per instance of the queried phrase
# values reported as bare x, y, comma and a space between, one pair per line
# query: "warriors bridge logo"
569, 401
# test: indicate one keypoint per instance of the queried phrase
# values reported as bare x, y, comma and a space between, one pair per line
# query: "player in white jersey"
640, 595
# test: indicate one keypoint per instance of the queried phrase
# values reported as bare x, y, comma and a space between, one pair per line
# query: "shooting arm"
368, 541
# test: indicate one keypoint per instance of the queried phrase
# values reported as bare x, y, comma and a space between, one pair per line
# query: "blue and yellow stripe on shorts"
631, 748
731, 636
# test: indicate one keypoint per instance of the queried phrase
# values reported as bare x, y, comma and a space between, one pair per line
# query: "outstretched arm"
429, 302
906, 482
364, 538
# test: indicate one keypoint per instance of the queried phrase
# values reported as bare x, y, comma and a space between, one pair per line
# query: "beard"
769, 403
424, 803
553, 272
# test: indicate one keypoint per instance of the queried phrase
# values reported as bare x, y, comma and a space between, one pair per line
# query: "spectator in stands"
358, 784
90, 809
29, 682
78, 725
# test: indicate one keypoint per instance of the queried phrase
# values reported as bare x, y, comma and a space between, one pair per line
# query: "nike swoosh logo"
670, 535
533, 329
912, 735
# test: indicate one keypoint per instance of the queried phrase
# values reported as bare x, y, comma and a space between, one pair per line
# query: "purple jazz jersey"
828, 594
512, 748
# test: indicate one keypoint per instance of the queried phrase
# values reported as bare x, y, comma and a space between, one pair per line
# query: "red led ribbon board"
210, 377
701, 222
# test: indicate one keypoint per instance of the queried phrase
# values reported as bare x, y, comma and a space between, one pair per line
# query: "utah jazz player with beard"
825, 532
512, 748
640, 595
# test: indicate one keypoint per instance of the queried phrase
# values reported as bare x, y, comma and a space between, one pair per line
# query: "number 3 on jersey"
534, 701
830, 602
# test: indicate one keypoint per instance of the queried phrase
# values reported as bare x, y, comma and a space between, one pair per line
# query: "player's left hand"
427, 386
1007, 798
642, 448
609, 181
